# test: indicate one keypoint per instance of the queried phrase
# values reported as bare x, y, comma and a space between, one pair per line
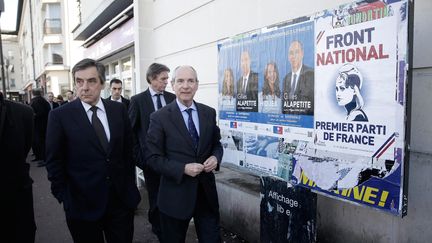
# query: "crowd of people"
90, 147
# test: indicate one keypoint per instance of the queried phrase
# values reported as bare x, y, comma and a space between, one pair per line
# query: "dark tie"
99, 129
293, 86
158, 101
192, 129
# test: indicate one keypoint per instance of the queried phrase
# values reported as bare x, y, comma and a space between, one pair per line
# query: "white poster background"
378, 89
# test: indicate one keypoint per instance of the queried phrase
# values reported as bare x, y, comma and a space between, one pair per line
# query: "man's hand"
210, 164
193, 169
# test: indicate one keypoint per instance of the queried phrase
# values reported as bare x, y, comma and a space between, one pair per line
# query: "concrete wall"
187, 32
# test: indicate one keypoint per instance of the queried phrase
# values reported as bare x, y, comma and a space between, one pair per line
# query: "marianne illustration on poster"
348, 86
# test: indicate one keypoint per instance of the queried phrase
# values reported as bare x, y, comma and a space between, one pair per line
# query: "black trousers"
152, 181
206, 222
116, 226
20, 224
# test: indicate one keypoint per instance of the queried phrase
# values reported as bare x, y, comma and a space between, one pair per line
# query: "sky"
8, 18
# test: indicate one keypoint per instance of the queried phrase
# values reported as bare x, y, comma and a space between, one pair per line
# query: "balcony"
52, 26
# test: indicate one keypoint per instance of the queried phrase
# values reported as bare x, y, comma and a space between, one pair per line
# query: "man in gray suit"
141, 106
183, 145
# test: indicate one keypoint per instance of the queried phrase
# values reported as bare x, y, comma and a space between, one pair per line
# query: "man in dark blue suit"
41, 108
183, 146
142, 105
89, 161
16, 131
298, 85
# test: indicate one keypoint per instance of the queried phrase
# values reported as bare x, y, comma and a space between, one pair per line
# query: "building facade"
46, 43
107, 31
12, 68
127, 36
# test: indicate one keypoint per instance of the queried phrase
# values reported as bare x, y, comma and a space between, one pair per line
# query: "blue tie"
158, 101
192, 129
293, 87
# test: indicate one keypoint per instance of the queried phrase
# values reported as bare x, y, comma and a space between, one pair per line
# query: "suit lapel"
203, 125
149, 101
110, 115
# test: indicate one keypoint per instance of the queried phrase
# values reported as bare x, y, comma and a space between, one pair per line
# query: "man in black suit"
69, 97
247, 86
50, 99
298, 85
183, 146
16, 130
142, 105
90, 163
116, 90
41, 108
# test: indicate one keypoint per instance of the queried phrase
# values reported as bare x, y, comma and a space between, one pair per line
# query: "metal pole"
1, 54
2, 66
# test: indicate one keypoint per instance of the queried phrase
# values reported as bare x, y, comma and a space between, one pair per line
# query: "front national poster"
321, 102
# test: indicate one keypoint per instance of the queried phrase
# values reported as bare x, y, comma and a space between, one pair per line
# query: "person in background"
116, 90
16, 131
41, 108
50, 99
142, 105
89, 161
69, 97
60, 100
183, 145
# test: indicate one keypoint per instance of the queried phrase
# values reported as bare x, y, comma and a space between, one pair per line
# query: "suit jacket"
305, 87
123, 100
16, 131
41, 109
141, 106
251, 88
81, 172
55, 105
170, 148
305, 84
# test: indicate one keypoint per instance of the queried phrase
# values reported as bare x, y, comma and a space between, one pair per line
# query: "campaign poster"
288, 213
329, 102
358, 147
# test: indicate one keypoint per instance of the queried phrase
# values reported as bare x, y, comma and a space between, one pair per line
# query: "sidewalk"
51, 223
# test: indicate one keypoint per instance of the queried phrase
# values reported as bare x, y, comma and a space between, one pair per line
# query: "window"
53, 54
52, 22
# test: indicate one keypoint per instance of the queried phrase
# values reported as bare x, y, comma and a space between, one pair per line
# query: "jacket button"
107, 177
107, 160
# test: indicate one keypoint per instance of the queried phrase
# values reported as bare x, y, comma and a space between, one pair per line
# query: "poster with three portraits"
321, 102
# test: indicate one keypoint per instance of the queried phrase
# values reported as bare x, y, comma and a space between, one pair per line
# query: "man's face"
160, 82
295, 56
116, 89
245, 63
88, 85
69, 95
185, 85
50, 97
